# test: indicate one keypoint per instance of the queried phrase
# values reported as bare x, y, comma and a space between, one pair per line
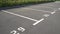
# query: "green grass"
4, 3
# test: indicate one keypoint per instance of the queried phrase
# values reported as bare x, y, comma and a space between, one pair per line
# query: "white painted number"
13, 32
21, 29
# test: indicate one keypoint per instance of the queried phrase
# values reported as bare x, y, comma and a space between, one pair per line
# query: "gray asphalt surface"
50, 25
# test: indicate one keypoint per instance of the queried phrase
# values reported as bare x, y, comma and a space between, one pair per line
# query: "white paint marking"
21, 29
46, 15
19, 15
44, 6
37, 10
59, 8
53, 12
38, 21
48, 6
13, 32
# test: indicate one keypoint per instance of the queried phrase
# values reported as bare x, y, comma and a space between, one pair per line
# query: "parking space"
31, 13
35, 19
48, 26
10, 22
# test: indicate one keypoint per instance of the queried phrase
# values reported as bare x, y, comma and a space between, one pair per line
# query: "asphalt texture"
50, 24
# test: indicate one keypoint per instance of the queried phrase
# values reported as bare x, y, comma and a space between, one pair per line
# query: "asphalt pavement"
33, 19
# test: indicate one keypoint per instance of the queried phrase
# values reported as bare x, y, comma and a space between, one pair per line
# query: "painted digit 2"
14, 32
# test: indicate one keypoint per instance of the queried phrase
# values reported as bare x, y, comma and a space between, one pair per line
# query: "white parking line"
48, 6
38, 22
38, 10
44, 6
19, 15
46, 15
53, 12
59, 8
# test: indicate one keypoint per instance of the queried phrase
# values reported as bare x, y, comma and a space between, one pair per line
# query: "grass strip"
4, 3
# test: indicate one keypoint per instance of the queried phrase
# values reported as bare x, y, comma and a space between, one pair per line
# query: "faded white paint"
38, 10
46, 15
